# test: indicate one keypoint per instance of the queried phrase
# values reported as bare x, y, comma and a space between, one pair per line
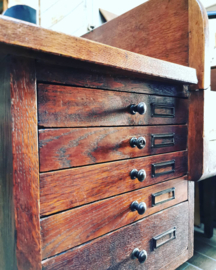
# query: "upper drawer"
64, 106
71, 147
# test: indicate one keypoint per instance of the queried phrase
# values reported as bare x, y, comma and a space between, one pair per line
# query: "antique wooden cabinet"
96, 146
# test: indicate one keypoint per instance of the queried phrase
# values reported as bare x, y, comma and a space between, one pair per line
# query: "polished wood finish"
86, 184
22, 188
113, 251
65, 148
71, 228
54, 43
92, 79
64, 106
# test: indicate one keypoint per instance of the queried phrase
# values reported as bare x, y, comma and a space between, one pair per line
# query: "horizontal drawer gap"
41, 127
181, 94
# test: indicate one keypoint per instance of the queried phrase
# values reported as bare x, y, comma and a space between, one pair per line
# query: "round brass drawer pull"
141, 108
139, 207
140, 175
140, 255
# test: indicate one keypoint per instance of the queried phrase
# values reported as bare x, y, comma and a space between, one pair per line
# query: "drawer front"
64, 189
64, 106
71, 228
65, 148
114, 251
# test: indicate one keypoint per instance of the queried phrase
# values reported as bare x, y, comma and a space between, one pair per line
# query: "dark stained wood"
199, 50
195, 135
25, 163
113, 251
71, 228
157, 28
86, 78
65, 148
65, 189
7, 219
64, 106
53, 43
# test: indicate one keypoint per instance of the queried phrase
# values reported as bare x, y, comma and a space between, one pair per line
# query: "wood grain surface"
65, 189
88, 78
157, 28
64, 106
167, 30
25, 163
195, 135
199, 49
57, 44
7, 217
68, 229
65, 148
113, 251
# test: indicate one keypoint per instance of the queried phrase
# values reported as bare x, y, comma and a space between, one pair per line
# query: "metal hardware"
157, 166
158, 240
90, 27
140, 142
139, 207
140, 255
155, 195
155, 106
141, 108
140, 175
170, 137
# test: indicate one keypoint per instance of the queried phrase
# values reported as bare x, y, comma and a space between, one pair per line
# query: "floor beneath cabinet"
204, 253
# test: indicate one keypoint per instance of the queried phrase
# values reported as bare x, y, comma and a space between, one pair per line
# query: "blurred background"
76, 17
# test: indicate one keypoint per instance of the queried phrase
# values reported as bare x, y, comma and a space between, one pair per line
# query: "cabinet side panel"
25, 163
7, 224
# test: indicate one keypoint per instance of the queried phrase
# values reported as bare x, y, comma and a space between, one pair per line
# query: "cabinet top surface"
17, 37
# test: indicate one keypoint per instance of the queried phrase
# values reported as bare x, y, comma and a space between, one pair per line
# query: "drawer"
64, 106
71, 147
71, 228
164, 236
91, 183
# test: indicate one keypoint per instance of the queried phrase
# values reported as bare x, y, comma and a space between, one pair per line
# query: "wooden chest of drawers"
94, 174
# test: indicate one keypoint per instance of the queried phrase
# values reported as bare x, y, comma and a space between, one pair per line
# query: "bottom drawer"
164, 236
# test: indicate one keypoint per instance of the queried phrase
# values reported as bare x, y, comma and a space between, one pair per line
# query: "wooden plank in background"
53, 43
